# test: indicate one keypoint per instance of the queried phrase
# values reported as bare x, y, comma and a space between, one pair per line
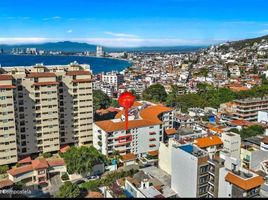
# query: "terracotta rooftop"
241, 122
265, 140
92, 194
153, 153
245, 184
216, 129
25, 160
45, 83
56, 162
40, 75
82, 80
208, 141
80, 72
171, 131
129, 157
149, 117
20, 170
7, 87
5, 183
39, 163
5, 77
65, 149
151, 113
110, 126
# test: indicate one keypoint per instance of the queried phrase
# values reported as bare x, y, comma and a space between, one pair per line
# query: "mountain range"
68, 46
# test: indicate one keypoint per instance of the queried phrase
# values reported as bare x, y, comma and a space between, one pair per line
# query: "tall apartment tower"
99, 51
8, 142
189, 171
114, 79
53, 107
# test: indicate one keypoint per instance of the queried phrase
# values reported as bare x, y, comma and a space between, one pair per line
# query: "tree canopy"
82, 159
250, 131
100, 100
155, 93
68, 190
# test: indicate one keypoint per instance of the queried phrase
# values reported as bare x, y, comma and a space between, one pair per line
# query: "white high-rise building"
51, 105
99, 51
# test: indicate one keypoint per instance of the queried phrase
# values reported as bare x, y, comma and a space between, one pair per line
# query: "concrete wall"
224, 188
164, 158
183, 173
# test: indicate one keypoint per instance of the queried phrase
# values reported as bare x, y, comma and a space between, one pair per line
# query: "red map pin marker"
126, 100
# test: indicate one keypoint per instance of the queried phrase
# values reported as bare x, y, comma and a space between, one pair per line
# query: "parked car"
79, 182
92, 177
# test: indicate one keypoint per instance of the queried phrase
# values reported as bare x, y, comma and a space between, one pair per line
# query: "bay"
97, 65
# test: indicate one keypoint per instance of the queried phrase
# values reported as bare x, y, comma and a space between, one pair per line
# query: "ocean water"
98, 65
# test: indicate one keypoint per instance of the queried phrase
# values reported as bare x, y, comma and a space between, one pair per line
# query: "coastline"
97, 64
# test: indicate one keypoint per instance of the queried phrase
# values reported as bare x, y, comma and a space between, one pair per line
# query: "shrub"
65, 177
47, 155
3, 169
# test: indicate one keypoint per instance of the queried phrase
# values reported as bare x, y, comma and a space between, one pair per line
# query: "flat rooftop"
193, 150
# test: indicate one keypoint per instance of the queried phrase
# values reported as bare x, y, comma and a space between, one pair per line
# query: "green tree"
250, 131
3, 169
115, 103
100, 100
172, 96
82, 159
155, 93
135, 94
68, 190
47, 155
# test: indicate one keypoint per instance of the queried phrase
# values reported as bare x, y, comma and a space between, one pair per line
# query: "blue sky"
132, 23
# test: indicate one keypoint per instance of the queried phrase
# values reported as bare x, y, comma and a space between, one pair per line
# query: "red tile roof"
25, 160
56, 162
81, 72
208, 141
5, 77
129, 157
245, 184
45, 83
65, 149
7, 87
92, 194
241, 122
39, 163
151, 113
153, 153
149, 117
40, 74
5, 183
20, 170
170, 131
82, 80
110, 126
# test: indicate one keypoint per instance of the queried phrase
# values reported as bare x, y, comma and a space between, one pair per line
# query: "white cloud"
52, 18
70, 31
115, 42
263, 31
26, 40
121, 34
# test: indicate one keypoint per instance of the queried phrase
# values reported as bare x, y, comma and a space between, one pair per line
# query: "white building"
99, 51
147, 123
231, 144
189, 166
52, 106
113, 79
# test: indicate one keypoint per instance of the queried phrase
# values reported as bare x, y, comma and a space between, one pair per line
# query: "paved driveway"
54, 185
